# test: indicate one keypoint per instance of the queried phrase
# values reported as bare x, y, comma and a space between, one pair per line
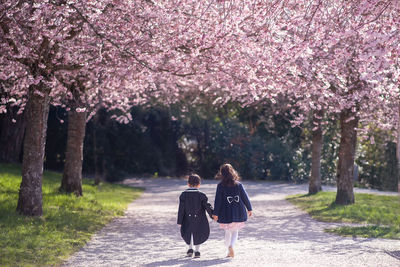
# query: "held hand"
179, 225
215, 217
250, 213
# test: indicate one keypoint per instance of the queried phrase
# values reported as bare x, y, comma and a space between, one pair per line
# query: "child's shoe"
197, 254
189, 253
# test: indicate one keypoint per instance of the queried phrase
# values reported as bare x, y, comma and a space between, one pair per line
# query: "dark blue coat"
193, 205
231, 203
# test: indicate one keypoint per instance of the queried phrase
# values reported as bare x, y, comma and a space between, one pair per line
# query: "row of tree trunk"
29, 130
347, 152
36, 114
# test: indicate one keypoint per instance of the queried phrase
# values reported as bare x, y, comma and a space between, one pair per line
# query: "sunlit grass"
383, 212
67, 222
375, 231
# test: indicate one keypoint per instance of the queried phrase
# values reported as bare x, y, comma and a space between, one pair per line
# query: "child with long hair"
231, 202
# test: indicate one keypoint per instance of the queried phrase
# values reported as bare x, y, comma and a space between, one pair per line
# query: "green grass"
67, 222
382, 213
375, 231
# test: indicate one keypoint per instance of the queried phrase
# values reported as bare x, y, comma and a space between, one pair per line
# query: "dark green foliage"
377, 161
146, 145
330, 150
231, 142
390, 178
56, 140
257, 142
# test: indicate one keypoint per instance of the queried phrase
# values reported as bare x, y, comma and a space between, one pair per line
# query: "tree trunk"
30, 192
96, 151
317, 141
398, 150
347, 150
12, 136
72, 176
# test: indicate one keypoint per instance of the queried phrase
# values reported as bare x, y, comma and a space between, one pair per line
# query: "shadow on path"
187, 262
394, 254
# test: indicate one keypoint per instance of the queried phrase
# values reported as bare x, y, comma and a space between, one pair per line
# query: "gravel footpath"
278, 234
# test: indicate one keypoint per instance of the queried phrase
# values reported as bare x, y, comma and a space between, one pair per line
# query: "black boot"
189, 253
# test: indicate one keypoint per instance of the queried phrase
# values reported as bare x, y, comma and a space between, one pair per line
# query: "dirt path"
278, 235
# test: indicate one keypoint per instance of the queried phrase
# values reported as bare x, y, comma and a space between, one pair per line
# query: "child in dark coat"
192, 218
232, 205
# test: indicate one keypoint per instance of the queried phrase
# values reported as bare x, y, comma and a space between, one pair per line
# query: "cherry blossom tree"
33, 34
351, 44
125, 76
345, 49
331, 57
44, 52
38, 46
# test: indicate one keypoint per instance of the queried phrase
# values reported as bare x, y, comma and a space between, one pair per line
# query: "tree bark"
347, 151
317, 141
30, 192
72, 176
12, 136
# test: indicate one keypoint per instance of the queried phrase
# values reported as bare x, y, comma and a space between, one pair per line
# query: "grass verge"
381, 213
374, 231
67, 223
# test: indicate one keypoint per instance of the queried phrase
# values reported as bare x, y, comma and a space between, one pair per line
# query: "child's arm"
207, 206
181, 210
217, 201
245, 197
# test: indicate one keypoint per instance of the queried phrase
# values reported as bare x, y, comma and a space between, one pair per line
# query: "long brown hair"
228, 175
